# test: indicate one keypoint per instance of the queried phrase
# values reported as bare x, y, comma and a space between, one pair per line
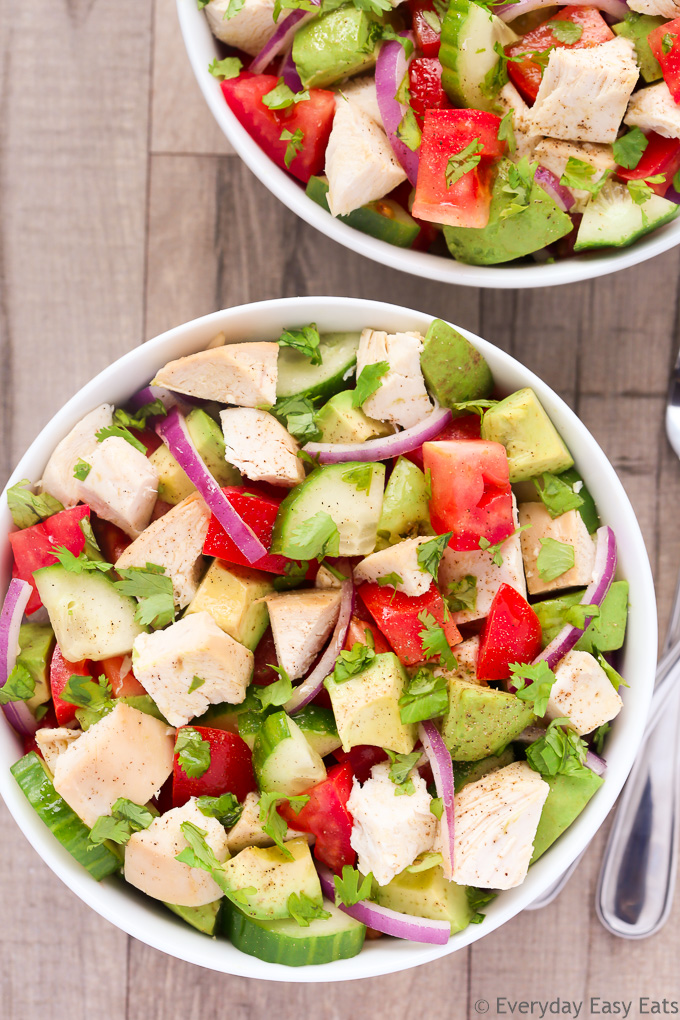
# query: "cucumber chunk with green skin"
91, 619
384, 218
35, 644
249, 725
36, 784
336, 44
468, 54
297, 377
283, 759
405, 509
205, 918
453, 368
607, 631
225, 716
637, 27
263, 878
318, 726
337, 937
613, 219
332, 490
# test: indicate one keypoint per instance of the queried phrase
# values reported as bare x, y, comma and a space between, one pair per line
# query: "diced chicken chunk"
654, 109
248, 830
260, 447
584, 92
467, 653
361, 92
360, 164
248, 30
126, 754
325, 579
568, 529
456, 567
401, 397
174, 541
301, 624
496, 822
58, 478
121, 485
526, 135
400, 559
243, 374
389, 831
166, 661
554, 153
53, 742
583, 693
661, 8
151, 858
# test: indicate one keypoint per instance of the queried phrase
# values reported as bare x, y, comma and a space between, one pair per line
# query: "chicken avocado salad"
314, 640
489, 132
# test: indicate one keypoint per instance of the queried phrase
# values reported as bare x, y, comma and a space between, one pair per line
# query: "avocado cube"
509, 235
366, 706
384, 218
531, 441
206, 435
264, 877
231, 595
454, 370
426, 894
566, 800
637, 27
481, 721
607, 631
405, 510
35, 643
336, 45
465, 772
339, 422
203, 918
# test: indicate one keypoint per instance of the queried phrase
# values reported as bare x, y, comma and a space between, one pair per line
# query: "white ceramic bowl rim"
150, 923
202, 49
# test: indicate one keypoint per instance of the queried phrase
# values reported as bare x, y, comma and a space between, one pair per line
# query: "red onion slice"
310, 687
603, 575
281, 39
11, 615
174, 433
288, 72
596, 763
390, 69
508, 12
442, 771
551, 185
383, 449
390, 922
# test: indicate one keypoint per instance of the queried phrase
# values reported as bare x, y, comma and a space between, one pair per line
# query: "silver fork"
637, 879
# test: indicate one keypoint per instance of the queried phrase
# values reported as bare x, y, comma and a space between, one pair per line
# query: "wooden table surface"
123, 212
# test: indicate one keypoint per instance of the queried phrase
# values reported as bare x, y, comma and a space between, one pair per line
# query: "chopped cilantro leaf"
195, 684
337, 574
92, 698
234, 7
153, 589
581, 616
193, 752
599, 737
315, 538
306, 341
295, 574
478, 898
628, 148
81, 470
640, 191
538, 691
271, 821
400, 771
520, 182
299, 417
278, 693
138, 420
303, 909
580, 176
462, 162
554, 559
368, 382
19, 686
352, 887
667, 43
409, 131
557, 495
198, 854
28, 508
565, 31
281, 96
80, 564
430, 553
225, 69
437, 807
425, 697
615, 678
225, 808
390, 580
287, 5
560, 752
434, 641
295, 141
126, 817
462, 595
506, 132
349, 664
120, 432
494, 550
360, 477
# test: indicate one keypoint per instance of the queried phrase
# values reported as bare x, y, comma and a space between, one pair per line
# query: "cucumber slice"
331, 490
471, 38
205, 918
338, 937
384, 218
299, 378
318, 726
248, 725
91, 620
283, 759
36, 784
613, 219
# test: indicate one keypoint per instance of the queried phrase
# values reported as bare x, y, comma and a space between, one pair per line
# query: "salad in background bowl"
323, 637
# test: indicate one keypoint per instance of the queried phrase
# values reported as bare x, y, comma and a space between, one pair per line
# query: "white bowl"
202, 48
150, 923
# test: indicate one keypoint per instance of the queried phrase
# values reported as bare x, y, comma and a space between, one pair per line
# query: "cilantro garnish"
139, 420
271, 821
580, 175
390, 580
560, 752
641, 192
437, 807
349, 664
225, 69
667, 43
278, 693
193, 752
295, 574
425, 697
462, 595
615, 678
434, 641
92, 698
538, 691
478, 898
234, 7
28, 508
299, 417
126, 817
462, 162
81, 470
400, 771
565, 31
494, 550
581, 616
352, 887
315, 538
387, 32
554, 559
557, 495
80, 564
120, 432
153, 589
195, 684
281, 96
430, 553
295, 141
409, 131
287, 5
506, 132
519, 184
599, 737
306, 341
628, 148
303, 909
225, 808
478, 406
360, 477
368, 382
19, 686
199, 855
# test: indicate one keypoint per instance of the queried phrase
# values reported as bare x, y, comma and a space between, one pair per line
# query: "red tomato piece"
118, 671
32, 547
230, 769
397, 616
512, 633
61, 670
662, 156
325, 815
428, 37
361, 759
466, 202
112, 540
313, 117
465, 427
526, 74
471, 493
356, 634
664, 43
425, 85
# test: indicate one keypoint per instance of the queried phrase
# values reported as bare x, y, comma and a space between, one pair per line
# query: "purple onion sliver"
391, 67
11, 615
594, 762
383, 449
174, 433
551, 185
310, 687
672, 196
389, 922
442, 772
289, 73
281, 39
